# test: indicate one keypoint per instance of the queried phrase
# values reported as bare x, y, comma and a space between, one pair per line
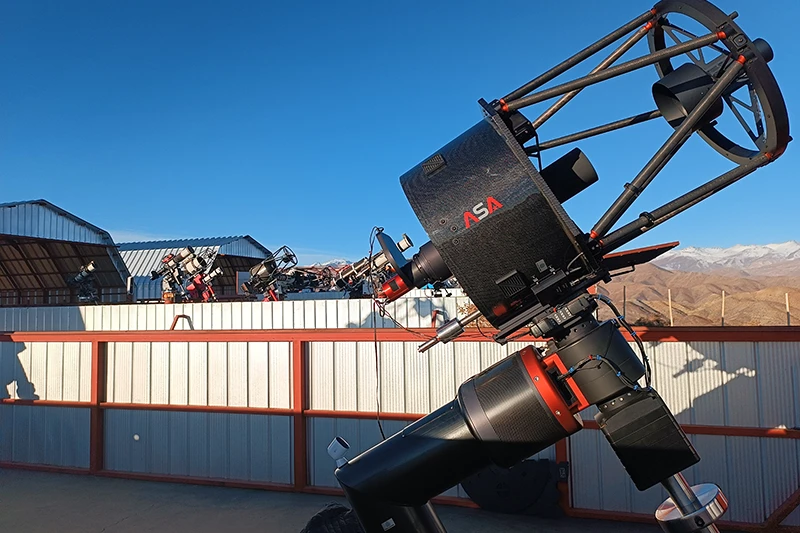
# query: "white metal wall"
59, 371
342, 375
756, 475
238, 447
244, 447
45, 371
743, 384
747, 384
234, 374
57, 436
307, 314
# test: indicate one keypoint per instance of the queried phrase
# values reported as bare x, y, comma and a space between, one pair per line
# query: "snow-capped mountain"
333, 263
767, 259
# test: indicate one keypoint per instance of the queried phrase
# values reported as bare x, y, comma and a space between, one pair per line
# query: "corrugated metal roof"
42, 245
42, 220
241, 245
142, 258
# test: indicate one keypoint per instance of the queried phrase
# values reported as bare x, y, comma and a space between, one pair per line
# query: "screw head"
558, 413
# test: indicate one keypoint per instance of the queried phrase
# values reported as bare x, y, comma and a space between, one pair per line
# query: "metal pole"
585, 134
648, 221
788, 315
669, 302
665, 153
580, 56
723, 308
685, 498
624, 301
624, 68
607, 62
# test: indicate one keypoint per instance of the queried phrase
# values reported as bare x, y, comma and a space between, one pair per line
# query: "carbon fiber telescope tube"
579, 57
599, 130
648, 221
665, 153
624, 68
607, 62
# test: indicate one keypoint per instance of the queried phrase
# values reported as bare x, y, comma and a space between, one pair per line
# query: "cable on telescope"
375, 306
600, 360
634, 336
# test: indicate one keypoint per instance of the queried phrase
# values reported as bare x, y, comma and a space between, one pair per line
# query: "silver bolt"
558, 413
535, 378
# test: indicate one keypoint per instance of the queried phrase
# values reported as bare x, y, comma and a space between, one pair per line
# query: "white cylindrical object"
336, 449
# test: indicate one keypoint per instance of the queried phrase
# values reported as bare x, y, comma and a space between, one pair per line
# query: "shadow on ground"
36, 502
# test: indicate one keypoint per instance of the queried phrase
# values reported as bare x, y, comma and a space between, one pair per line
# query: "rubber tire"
334, 518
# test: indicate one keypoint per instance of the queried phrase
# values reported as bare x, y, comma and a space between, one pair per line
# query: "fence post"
723, 308
788, 314
625, 300
669, 302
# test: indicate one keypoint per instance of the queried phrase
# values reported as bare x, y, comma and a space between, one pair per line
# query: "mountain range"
749, 260
755, 279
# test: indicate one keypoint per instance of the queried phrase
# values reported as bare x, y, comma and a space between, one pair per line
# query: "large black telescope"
496, 223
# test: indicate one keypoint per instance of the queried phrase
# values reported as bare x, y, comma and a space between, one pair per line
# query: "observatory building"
51, 257
232, 254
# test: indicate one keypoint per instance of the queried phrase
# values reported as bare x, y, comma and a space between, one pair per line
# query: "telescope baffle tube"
690, 509
450, 330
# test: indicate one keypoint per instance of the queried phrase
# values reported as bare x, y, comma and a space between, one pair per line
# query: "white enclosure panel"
207, 445
48, 435
755, 474
54, 371
225, 374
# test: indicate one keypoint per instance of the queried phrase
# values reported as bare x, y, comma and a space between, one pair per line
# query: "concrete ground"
37, 502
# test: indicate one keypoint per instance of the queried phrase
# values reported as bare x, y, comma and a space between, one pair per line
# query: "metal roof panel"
241, 245
43, 220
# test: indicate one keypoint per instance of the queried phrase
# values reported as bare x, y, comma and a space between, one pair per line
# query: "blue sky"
292, 123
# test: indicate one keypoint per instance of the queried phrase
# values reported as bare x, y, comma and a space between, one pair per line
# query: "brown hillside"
750, 300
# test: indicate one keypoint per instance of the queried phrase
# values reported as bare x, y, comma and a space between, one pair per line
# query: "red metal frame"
44, 403
667, 334
96, 417
301, 414
299, 395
